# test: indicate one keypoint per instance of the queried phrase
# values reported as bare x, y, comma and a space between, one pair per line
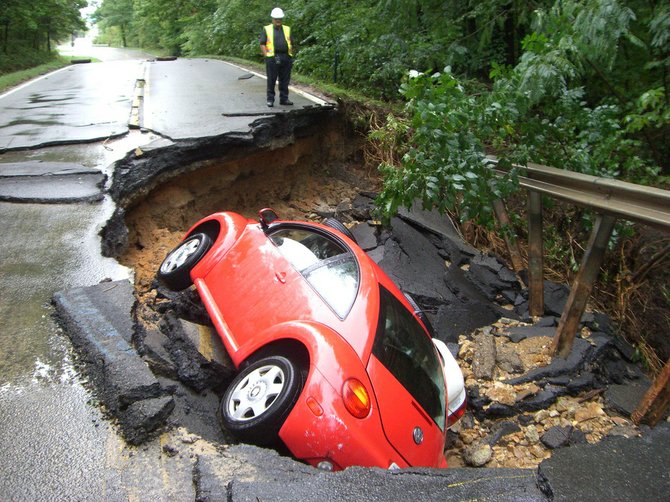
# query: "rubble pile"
523, 403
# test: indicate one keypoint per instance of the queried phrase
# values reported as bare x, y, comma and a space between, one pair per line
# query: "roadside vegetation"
579, 85
30, 29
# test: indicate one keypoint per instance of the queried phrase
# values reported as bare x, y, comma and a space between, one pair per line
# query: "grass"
9, 80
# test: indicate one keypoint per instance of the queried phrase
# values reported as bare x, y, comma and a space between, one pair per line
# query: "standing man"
277, 47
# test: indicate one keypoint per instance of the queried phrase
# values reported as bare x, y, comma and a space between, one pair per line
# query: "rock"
627, 431
209, 369
615, 369
151, 346
501, 393
486, 280
585, 381
500, 430
556, 437
519, 333
541, 416
589, 412
414, 264
363, 207
531, 434
597, 321
555, 297
365, 235
484, 360
142, 418
623, 399
508, 360
576, 360
170, 450
526, 419
542, 399
547, 322
377, 254
478, 454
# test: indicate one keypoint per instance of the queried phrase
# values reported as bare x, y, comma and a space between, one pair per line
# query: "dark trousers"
278, 67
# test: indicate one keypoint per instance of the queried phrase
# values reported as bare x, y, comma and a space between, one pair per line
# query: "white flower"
414, 74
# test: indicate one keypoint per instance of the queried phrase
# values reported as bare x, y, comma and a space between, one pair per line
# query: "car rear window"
403, 347
328, 266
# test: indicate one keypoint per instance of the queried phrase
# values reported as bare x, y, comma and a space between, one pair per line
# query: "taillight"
457, 415
356, 398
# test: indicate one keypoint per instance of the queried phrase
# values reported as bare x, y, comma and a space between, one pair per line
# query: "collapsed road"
168, 405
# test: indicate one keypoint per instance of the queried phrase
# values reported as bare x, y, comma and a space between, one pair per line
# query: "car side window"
329, 267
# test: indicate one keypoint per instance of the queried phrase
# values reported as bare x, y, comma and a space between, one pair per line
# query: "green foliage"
541, 110
28, 29
444, 165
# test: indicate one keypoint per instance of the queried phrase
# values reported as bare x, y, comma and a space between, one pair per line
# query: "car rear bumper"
320, 428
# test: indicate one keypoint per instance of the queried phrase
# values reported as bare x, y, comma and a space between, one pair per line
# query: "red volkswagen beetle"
333, 359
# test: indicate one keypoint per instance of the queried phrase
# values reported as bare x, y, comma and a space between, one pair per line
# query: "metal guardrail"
629, 201
610, 199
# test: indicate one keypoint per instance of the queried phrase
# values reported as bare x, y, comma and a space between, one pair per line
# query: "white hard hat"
277, 13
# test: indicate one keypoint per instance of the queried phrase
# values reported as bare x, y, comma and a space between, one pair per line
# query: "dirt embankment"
299, 181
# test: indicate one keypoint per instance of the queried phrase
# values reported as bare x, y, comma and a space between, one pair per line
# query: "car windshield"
328, 266
403, 347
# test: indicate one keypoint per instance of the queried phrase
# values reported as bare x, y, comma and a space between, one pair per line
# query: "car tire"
339, 226
260, 397
175, 271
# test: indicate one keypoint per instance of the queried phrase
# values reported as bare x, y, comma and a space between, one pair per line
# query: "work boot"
271, 103
286, 103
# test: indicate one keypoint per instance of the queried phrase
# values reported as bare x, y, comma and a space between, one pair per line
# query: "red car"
333, 359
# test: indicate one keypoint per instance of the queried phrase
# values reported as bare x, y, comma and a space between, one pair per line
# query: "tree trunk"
5, 37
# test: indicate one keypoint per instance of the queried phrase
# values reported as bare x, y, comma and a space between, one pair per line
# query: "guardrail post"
581, 288
655, 402
535, 254
512, 245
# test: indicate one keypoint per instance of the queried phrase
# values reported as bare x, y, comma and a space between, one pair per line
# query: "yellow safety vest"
270, 44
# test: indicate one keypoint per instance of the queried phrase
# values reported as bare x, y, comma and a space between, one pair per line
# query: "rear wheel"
175, 271
257, 402
339, 226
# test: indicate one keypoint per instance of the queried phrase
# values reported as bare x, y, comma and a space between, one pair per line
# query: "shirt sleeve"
263, 37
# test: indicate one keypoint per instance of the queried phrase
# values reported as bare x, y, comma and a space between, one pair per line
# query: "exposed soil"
285, 179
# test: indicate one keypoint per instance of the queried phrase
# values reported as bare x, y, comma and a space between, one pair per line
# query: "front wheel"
260, 398
175, 271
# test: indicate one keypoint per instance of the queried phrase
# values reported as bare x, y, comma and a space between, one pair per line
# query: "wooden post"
535, 254
512, 245
656, 401
581, 288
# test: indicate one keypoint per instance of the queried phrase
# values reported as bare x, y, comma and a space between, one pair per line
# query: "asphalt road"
59, 137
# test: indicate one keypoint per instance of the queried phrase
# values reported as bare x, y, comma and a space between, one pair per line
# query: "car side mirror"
266, 217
